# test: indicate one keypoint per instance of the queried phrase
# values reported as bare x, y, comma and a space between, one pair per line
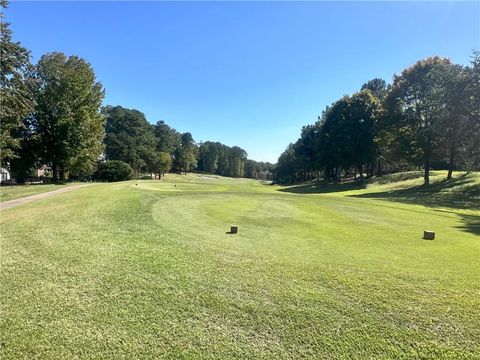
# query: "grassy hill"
146, 269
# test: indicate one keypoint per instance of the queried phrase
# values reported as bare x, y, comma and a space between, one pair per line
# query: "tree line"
428, 117
51, 113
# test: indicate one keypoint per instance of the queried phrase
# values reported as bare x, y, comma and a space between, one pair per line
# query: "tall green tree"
208, 156
186, 155
159, 163
471, 153
358, 128
377, 86
306, 151
167, 139
252, 169
455, 121
331, 137
416, 98
16, 85
285, 168
128, 137
236, 161
67, 115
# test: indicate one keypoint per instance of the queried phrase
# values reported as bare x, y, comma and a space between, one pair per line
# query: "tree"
113, 170
16, 85
236, 161
258, 169
306, 150
208, 156
455, 124
471, 155
67, 115
128, 137
377, 86
252, 169
331, 139
285, 169
160, 163
359, 147
223, 166
167, 138
415, 97
186, 155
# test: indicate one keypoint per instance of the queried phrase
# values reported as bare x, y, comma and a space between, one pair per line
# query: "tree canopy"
428, 116
67, 119
128, 136
16, 91
51, 114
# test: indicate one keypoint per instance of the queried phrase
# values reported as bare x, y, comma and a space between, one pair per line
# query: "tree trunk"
360, 170
426, 175
55, 172
379, 168
451, 163
426, 165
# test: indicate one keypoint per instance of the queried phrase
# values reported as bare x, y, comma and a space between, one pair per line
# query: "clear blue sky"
244, 73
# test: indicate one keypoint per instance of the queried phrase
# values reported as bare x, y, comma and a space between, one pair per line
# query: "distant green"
145, 269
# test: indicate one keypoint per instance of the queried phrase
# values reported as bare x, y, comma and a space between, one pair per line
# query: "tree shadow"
459, 193
462, 192
471, 224
325, 187
404, 176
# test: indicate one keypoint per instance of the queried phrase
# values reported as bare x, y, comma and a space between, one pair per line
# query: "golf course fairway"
147, 269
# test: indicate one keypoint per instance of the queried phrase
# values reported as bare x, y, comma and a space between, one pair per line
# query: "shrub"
113, 170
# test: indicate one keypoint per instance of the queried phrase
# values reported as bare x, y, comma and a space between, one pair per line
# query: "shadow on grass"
471, 224
324, 187
404, 176
462, 192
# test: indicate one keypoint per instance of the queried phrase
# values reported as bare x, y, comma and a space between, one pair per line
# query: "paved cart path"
15, 202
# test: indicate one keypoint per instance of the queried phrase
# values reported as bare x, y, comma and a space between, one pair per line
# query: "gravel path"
15, 202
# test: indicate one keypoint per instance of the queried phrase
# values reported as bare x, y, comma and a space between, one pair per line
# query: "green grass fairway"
127, 271
19, 191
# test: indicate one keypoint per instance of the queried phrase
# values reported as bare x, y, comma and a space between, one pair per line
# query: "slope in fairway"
145, 270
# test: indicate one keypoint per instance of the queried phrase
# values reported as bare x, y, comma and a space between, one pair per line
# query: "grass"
146, 270
11, 192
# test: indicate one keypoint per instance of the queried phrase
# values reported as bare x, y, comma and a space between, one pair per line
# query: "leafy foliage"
186, 154
160, 163
67, 120
113, 170
16, 87
128, 136
428, 117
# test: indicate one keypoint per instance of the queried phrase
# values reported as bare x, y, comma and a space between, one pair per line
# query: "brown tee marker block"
233, 229
429, 235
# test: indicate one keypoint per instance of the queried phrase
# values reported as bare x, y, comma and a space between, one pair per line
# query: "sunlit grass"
145, 269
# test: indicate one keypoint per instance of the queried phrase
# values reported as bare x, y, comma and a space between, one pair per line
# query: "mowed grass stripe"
147, 270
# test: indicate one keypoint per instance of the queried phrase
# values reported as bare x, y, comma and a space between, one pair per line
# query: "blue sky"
244, 73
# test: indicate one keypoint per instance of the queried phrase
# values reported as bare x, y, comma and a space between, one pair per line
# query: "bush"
113, 170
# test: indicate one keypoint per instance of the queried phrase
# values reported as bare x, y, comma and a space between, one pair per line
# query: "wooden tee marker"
429, 235
233, 229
